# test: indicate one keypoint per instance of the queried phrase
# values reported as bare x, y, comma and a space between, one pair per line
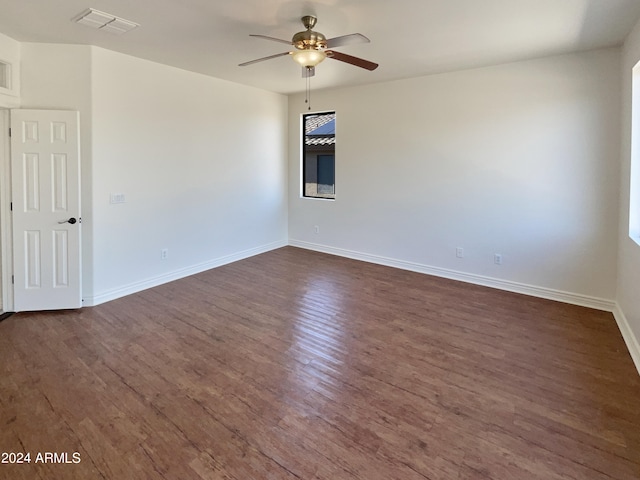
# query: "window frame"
634, 167
303, 157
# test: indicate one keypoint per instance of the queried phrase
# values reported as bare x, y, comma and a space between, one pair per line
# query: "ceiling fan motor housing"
309, 39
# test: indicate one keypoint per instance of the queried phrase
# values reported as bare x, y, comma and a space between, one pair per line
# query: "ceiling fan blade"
288, 42
347, 40
308, 72
358, 62
251, 62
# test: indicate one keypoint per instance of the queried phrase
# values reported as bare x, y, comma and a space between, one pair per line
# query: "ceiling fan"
311, 48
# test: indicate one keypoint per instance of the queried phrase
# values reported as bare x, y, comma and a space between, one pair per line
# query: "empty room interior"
320, 240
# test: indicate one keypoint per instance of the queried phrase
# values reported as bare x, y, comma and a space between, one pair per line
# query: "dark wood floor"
299, 365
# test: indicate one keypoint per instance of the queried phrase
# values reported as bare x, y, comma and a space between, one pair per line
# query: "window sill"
318, 198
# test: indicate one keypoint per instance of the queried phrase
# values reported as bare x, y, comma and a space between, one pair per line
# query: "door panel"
45, 174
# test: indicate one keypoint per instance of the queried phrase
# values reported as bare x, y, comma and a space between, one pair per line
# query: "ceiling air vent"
105, 21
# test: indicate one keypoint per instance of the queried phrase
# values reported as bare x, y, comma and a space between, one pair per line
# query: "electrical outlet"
164, 254
460, 252
316, 229
497, 259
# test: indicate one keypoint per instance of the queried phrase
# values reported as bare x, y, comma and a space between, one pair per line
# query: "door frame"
6, 233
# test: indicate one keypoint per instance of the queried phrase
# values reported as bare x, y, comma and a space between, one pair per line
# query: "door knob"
71, 221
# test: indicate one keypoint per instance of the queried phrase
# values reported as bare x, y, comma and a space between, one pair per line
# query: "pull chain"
307, 99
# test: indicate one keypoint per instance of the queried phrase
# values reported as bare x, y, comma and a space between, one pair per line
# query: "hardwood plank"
300, 365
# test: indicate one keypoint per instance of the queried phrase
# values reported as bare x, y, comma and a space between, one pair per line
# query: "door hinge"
11, 206
9, 131
12, 279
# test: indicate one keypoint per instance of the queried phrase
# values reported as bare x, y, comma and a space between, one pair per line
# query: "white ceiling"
408, 37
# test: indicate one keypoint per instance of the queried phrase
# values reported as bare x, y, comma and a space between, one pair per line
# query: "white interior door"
45, 181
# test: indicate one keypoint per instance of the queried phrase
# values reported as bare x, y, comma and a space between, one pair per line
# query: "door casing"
6, 250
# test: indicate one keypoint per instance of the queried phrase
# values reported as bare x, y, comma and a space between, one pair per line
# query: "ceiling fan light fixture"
309, 58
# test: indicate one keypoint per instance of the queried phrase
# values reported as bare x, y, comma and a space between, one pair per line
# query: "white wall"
202, 164
628, 251
518, 159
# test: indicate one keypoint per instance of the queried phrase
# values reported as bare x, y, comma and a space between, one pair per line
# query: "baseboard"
116, 293
627, 334
541, 292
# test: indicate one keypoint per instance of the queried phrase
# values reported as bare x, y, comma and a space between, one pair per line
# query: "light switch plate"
117, 198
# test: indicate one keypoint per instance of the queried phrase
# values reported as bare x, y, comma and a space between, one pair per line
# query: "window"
634, 194
319, 155
5, 75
